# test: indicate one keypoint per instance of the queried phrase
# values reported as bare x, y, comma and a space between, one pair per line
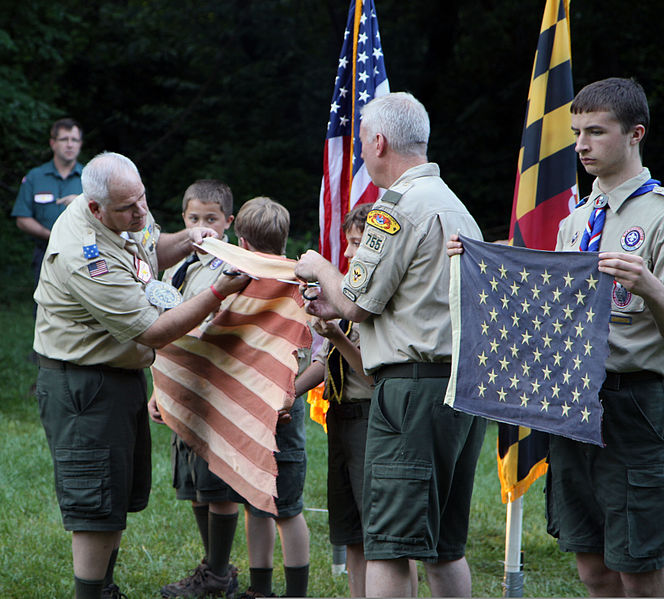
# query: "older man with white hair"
421, 455
100, 316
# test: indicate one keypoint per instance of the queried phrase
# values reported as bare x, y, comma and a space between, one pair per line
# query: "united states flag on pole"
360, 77
220, 386
530, 337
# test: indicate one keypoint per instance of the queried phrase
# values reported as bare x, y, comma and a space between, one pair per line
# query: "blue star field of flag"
369, 73
531, 331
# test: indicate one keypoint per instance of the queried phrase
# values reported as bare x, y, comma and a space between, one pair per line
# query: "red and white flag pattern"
220, 387
360, 78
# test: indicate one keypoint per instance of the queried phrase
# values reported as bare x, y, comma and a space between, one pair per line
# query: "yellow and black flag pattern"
544, 194
545, 189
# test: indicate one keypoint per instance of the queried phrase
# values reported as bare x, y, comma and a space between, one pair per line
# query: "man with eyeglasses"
47, 189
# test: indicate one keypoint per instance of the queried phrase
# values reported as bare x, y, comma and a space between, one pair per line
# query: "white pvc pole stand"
513, 579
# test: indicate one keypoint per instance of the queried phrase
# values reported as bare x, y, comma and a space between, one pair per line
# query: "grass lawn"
161, 543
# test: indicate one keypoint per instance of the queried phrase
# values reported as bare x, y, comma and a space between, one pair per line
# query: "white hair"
100, 171
401, 119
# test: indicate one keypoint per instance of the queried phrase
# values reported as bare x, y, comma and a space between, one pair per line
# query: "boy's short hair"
357, 217
210, 191
625, 98
264, 225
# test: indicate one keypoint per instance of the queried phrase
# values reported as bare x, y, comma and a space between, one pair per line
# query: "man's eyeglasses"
74, 140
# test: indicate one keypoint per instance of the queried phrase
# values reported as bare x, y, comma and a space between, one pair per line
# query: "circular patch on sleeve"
162, 294
621, 297
632, 239
358, 274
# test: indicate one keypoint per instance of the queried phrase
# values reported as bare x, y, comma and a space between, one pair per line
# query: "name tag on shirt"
44, 198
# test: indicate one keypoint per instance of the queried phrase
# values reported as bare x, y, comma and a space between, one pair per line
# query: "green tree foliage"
240, 89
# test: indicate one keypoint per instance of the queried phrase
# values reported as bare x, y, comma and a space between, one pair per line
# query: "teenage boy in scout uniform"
604, 504
99, 318
420, 455
47, 189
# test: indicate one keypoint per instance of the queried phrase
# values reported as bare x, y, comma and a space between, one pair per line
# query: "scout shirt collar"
619, 195
52, 170
429, 169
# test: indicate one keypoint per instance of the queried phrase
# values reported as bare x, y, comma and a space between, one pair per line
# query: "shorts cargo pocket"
645, 498
292, 466
399, 503
290, 455
83, 481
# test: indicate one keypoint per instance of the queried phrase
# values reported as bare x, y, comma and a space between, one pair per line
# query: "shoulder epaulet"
581, 203
659, 190
393, 195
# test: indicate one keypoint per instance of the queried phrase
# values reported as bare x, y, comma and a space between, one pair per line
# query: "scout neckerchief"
592, 234
337, 366
181, 273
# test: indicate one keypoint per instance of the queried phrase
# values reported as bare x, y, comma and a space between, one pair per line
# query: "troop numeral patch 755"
374, 241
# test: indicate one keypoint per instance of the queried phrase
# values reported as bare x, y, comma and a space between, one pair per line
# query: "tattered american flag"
360, 78
530, 333
220, 387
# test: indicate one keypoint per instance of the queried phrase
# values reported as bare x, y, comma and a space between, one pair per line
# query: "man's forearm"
172, 247
32, 227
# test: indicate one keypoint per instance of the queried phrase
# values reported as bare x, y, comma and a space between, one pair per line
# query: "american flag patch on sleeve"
98, 267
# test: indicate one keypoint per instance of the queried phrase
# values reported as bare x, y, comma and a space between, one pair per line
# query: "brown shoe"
203, 583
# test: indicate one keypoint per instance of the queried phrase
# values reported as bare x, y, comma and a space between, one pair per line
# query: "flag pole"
513, 578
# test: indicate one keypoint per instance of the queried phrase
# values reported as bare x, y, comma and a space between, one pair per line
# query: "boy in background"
348, 391
262, 226
209, 203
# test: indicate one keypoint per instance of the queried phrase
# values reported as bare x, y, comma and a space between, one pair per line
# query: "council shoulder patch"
358, 274
383, 221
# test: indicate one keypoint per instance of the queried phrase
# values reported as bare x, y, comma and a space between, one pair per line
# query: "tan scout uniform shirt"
200, 275
355, 386
89, 319
634, 226
401, 271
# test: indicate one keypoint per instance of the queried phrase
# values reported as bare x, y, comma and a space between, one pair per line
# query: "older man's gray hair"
100, 172
401, 119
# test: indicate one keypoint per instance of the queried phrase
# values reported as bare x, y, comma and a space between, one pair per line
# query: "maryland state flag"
545, 192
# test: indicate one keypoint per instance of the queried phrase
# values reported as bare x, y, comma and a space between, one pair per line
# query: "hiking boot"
112, 591
203, 583
252, 593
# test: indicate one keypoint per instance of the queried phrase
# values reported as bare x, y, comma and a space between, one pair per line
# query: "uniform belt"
45, 362
413, 370
349, 410
614, 381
